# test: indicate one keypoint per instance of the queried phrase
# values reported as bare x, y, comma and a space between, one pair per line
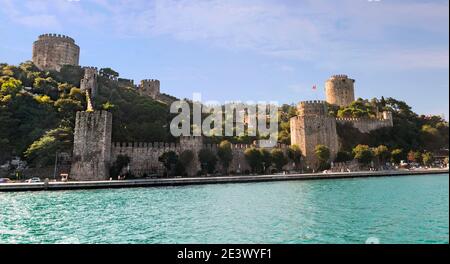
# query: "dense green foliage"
208, 160
410, 131
118, 165
323, 156
278, 159
225, 154
186, 158
294, 154
169, 159
253, 158
37, 115
363, 154
37, 112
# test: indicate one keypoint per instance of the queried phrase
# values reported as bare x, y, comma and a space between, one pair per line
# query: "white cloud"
326, 32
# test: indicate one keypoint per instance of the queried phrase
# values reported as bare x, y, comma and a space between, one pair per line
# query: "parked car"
34, 179
4, 180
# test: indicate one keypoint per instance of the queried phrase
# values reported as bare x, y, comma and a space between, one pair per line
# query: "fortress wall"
366, 125
144, 156
168, 99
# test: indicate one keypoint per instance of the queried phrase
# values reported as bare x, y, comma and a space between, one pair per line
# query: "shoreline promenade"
77, 185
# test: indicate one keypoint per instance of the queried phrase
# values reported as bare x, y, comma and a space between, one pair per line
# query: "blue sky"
251, 50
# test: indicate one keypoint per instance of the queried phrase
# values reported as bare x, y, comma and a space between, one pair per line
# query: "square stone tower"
91, 146
89, 81
149, 87
314, 127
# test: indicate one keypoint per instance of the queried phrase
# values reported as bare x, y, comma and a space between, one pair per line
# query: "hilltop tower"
149, 87
89, 81
91, 146
52, 51
339, 90
314, 127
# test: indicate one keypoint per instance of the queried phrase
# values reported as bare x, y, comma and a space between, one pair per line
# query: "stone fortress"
52, 51
94, 153
314, 126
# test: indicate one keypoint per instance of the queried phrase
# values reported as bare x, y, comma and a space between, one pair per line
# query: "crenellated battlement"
339, 90
149, 87
339, 76
50, 36
365, 125
90, 68
149, 80
52, 51
128, 82
313, 102
312, 108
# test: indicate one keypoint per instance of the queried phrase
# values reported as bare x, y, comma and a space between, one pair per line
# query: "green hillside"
37, 112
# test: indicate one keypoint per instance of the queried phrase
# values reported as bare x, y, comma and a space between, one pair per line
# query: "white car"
34, 179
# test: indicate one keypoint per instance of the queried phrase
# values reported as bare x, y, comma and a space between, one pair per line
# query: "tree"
254, 159
322, 153
108, 72
295, 155
397, 155
343, 156
47, 86
279, 159
207, 160
169, 160
42, 152
121, 162
266, 160
225, 154
431, 138
382, 153
414, 156
427, 158
359, 108
186, 158
10, 86
363, 154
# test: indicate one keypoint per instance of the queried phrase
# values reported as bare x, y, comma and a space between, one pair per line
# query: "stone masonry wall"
314, 127
366, 125
89, 81
92, 146
308, 132
144, 156
339, 90
52, 51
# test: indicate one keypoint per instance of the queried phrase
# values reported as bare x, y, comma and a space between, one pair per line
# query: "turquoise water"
410, 209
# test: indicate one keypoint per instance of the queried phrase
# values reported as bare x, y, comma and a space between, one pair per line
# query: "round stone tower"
52, 51
339, 90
